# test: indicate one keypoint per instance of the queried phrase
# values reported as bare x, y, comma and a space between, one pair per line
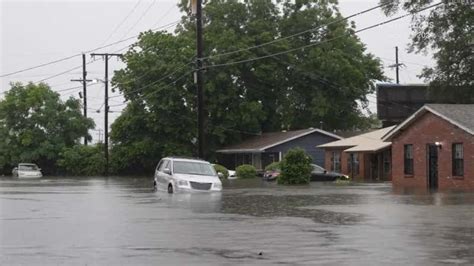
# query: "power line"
140, 18
159, 88
41, 65
122, 22
294, 35
318, 43
154, 82
79, 54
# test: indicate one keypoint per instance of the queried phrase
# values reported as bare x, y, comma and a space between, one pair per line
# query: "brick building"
365, 157
434, 147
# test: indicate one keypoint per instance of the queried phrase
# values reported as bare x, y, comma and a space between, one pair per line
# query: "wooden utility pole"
199, 79
84, 81
106, 57
397, 65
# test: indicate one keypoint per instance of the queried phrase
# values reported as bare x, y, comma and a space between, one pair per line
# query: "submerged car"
320, 174
186, 174
271, 175
27, 170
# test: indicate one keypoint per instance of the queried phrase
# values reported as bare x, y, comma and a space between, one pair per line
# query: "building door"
432, 166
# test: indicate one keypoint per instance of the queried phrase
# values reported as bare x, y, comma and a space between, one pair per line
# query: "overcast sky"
36, 32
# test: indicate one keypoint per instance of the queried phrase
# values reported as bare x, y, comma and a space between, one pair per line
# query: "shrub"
221, 169
295, 168
246, 171
273, 166
83, 160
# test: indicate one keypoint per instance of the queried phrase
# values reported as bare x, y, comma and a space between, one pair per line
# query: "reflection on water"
123, 221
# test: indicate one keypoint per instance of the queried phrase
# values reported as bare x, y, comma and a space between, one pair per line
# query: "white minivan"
184, 174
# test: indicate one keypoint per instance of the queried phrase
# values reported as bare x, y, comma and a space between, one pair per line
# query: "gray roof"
271, 139
460, 115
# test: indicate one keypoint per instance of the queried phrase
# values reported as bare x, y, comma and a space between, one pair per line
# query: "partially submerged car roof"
183, 158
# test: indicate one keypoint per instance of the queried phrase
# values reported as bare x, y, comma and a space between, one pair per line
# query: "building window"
336, 161
354, 162
458, 159
386, 162
349, 164
408, 159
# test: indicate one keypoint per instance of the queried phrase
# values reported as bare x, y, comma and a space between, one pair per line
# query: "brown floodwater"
122, 221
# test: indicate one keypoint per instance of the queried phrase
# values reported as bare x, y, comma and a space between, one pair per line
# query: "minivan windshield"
192, 168
28, 167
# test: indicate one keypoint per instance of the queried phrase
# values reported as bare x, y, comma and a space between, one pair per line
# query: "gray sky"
36, 32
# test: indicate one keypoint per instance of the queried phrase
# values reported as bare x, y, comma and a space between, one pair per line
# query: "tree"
83, 160
35, 125
293, 90
295, 168
448, 30
140, 139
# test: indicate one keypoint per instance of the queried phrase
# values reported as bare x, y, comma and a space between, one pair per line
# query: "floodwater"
122, 221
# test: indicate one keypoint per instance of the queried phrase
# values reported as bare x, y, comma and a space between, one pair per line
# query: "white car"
27, 170
183, 174
232, 174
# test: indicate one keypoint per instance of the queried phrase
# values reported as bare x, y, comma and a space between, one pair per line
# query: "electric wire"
294, 35
140, 18
79, 54
318, 43
122, 22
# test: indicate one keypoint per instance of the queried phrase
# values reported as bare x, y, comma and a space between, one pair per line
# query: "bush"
295, 168
246, 171
83, 160
273, 166
221, 169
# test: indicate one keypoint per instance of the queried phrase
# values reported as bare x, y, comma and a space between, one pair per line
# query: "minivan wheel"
170, 188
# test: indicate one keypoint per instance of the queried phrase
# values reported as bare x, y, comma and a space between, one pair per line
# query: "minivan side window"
159, 165
164, 165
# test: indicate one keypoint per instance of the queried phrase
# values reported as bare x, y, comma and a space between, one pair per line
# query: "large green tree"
321, 83
448, 31
36, 125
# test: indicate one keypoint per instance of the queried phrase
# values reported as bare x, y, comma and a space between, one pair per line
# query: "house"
396, 102
262, 150
434, 147
365, 157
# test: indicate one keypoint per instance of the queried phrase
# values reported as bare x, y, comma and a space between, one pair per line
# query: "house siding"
429, 129
308, 143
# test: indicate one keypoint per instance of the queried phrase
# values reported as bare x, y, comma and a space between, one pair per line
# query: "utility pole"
199, 80
84, 81
106, 57
397, 65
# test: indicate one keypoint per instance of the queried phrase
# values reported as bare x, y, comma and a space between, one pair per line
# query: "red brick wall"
427, 130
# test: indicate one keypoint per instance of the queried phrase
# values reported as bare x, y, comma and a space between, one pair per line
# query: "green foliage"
246, 171
36, 126
447, 31
295, 168
273, 166
139, 141
83, 160
295, 90
221, 169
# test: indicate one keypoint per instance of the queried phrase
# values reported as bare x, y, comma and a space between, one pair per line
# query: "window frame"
457, 164
333, 161
408, 163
